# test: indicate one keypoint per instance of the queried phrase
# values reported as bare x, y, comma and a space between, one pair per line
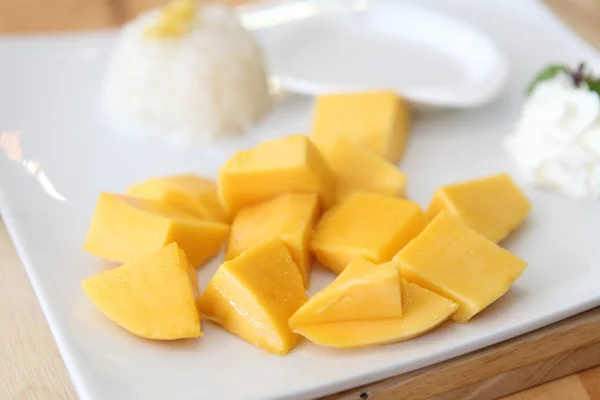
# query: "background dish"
430, 58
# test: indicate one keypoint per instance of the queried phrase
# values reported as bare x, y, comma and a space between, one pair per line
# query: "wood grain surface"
547, 361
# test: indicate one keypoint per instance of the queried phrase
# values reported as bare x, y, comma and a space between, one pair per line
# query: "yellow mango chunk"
289, 217
288, 164
193, 194
493, 206
255, 294
359, 169
362, 292
423, 311
456, 262
365, 224
154, 298
377, 120
126, 229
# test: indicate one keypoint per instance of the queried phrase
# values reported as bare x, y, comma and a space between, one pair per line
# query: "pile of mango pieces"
336, 195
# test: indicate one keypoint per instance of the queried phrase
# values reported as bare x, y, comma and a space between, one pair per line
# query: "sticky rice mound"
191, 75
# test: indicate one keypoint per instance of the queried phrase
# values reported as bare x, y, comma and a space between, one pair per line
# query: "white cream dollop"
556, 143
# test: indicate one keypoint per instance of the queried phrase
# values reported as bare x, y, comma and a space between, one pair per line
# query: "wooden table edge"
545, 354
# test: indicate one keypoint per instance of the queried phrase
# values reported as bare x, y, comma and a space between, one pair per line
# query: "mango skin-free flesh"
453, 260
154, 298
193, 194
362, 292
357, 168
370, 225
422, 309
254, 295
493, 206
125, 229
290, 217
378, 120
290, 164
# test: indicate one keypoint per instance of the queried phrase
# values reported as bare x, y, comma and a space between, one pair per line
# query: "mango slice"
423, 311
493, 206
289, 217
456, 262
362, 292
359, 169
376, 120
288, 164
154, 298
365, 224
193, 194
255, 294
126, 229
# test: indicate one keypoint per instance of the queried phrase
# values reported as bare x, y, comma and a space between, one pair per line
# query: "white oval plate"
314, 47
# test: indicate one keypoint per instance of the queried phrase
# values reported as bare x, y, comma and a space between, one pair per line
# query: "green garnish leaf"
593, 85
578, 76
546, 74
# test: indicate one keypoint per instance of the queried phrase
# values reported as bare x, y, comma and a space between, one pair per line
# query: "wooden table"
31, 368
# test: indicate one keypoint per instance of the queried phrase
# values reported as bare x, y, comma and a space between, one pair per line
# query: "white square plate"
58, 154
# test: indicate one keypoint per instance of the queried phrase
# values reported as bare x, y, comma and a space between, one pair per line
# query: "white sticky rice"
206, 84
